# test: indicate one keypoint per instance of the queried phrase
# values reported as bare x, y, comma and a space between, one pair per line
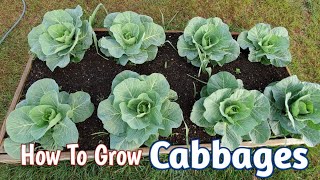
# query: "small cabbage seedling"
139, 109
61, 38
295, 109
225, 108
47, 117
207, 41
238, 71
132, 38
266, 45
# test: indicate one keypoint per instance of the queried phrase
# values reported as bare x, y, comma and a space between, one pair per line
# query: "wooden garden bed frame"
5, 158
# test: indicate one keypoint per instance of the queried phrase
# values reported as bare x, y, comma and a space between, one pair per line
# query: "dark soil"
95, 74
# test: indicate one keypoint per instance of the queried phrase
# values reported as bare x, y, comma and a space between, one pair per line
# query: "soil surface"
94, 75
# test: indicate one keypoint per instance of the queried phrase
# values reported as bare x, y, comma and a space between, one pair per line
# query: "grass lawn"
301, 18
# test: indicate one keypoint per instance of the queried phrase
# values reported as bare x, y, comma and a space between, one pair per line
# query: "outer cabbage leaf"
12, 148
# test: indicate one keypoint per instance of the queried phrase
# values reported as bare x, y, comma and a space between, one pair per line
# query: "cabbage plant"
207, 41
132, 38
139, 109
61, 38
227, 109
295, 109
47, 117
266, 45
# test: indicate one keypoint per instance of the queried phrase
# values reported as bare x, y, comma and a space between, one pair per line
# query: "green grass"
301, 18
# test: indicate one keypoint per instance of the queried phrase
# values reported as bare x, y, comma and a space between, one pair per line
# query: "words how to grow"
264, 159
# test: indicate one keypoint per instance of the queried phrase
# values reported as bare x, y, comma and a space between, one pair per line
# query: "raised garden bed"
95, 74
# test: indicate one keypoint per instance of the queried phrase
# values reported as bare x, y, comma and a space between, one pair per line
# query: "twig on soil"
98, 134
167, 41
196, 79
187, 133
194, 90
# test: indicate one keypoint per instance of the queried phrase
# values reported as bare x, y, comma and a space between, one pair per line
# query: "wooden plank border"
15, 100
167, 31
5, 158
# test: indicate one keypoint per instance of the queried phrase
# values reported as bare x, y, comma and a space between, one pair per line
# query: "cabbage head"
47, 117
266, 45
61, 38
139, 109
207, 41
295, 109
132, 38
227, 109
